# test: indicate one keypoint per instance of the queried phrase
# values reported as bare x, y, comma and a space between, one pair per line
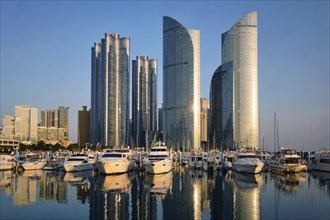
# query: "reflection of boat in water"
159, 184
247, 181
120, 183
5, 178
323, 176
77, 177
289, 181
33, 173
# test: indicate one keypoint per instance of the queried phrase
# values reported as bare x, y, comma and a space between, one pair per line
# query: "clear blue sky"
46, 60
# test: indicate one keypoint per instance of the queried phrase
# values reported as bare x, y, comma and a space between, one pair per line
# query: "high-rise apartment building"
26, 124
181, 85
236, 97
83, 126
144, 100
8, 127
109, 125
57, 118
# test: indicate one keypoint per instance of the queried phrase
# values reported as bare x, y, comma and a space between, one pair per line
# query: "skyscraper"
181, 85
144, 100
110, 91
238, 87
57, 118
83, 126
26, 124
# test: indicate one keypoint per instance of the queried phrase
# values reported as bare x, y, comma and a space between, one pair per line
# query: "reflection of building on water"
81, 180
246, 195
110, 197
52, 187
25, 187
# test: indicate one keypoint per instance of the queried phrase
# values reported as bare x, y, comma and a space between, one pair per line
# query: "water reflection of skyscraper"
5, 178
111, 197
246, 195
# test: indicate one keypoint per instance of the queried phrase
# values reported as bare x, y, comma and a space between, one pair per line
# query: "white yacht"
7, 162
34, 162
158, 160
246, 162
116, 161
197, 160
288, 162
321, 162
77, 162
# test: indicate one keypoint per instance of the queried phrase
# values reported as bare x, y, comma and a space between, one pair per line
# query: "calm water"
185, 195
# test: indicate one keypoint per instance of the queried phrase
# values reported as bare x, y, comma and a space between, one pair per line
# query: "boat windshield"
112, 155
75, 159
325, 160
159, 150
247, 156
291, 160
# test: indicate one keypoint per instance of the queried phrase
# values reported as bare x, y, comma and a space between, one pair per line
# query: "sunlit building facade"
144, 100
26, 124
56, 118
239, 84
181, 85
110, 91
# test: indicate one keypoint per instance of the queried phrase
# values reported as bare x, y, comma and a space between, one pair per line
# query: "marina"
191, 194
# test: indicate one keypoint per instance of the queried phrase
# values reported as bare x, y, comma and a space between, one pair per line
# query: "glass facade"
239, 46
144, 100
181, 85
110, 91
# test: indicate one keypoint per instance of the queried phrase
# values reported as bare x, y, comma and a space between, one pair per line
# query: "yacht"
77, 162
288, 162
246, 162
197, 160
158, 160
116, 161
321, 162
34, 162
7, 162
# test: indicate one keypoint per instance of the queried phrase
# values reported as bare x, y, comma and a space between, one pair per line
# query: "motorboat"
247, 162
158, 160
321, 162
34, 162
7, 162
288, 161
115, 161
77, 162
197, 160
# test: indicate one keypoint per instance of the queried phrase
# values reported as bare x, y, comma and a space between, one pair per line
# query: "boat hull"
115, 167
320, 167
288, 168
158, 167
6, 166
248, 168
77, 167
33, 165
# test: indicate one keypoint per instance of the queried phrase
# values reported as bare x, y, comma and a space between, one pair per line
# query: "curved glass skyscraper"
181, 85
240, 52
